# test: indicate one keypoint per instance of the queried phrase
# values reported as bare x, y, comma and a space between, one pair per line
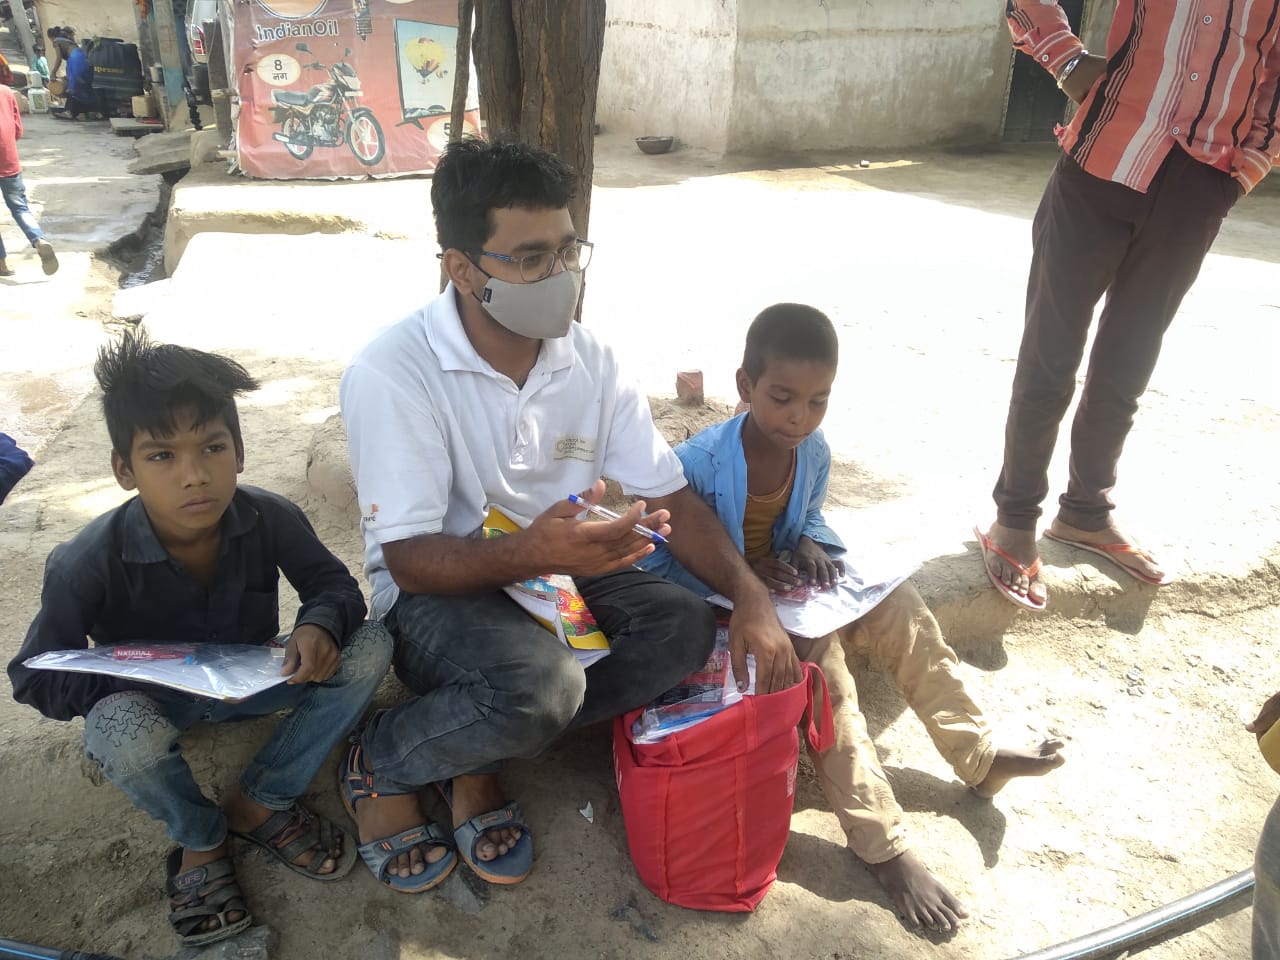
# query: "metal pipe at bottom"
1135, 931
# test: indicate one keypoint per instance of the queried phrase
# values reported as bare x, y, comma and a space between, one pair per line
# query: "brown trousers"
1143, 250
901, 634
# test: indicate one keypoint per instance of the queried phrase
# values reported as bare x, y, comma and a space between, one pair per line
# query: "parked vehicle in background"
198, 13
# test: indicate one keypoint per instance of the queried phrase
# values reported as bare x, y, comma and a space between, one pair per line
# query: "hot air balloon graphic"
427, 56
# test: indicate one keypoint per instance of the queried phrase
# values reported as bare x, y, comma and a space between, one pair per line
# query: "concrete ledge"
210, 200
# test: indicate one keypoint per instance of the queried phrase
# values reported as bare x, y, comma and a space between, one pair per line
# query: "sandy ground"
921, 261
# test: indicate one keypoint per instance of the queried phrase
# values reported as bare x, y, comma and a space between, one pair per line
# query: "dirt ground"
1163, 792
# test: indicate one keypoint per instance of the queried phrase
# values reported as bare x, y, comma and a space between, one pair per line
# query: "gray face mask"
539, 311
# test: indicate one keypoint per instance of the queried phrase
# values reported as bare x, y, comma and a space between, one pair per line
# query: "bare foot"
1021, 545
198, 858
245, 816
390, 816
917, 894
1139, 560
474, 795
1020, 763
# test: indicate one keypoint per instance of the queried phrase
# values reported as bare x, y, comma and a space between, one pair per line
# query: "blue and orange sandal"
355, 782
507, 868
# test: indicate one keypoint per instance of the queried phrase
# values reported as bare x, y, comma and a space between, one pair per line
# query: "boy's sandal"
315, 833
507, 868
210, 891
355, 782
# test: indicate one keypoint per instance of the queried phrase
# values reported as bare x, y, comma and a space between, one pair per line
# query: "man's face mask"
539, 311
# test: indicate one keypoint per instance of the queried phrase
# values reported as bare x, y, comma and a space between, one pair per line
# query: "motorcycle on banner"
328, 115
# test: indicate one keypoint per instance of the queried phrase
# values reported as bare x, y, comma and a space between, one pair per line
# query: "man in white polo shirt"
491, 396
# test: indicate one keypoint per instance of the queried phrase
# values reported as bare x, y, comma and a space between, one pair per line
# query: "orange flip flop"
1031, 573
1113, 552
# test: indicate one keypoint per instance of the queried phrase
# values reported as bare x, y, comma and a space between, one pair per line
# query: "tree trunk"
538, 67
461, 71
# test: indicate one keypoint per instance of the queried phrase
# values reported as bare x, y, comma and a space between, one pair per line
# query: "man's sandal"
1032, 573
507, 868
321, 836
202, 893
355, 782
1113, 552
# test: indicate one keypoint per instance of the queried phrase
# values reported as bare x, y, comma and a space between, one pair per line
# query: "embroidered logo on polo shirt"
576, 448
369, 514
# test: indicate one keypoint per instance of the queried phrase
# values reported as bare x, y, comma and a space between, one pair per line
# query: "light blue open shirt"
716, 469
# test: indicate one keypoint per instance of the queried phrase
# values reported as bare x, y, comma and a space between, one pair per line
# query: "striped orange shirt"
1201, 74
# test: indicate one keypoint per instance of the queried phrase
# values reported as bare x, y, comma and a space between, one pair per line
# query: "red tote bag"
708, 809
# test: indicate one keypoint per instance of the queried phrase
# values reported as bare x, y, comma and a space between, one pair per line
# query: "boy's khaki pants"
901, 634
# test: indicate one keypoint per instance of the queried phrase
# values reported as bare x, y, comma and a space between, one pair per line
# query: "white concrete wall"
827, 74
667, 68
100, 18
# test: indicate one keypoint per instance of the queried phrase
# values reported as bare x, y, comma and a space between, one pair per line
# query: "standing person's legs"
658, 632
1188, 201
15, 198
1079, 237
1266, 890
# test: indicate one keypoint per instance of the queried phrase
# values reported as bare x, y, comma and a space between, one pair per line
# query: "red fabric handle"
822, 738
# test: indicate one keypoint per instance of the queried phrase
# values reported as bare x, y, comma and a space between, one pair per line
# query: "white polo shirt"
437, 436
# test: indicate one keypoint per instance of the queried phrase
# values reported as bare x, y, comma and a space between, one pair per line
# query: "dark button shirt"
114, 583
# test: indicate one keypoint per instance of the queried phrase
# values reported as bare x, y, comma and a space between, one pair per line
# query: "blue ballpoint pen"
604, 514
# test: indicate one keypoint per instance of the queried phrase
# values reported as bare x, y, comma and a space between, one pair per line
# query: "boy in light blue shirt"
765, 475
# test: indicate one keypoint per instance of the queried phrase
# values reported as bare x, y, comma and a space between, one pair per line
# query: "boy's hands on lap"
776, 573
813, 564
311, 656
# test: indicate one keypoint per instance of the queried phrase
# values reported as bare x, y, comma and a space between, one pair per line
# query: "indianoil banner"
344, 88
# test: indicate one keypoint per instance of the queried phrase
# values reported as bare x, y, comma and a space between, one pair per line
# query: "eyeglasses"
575, 256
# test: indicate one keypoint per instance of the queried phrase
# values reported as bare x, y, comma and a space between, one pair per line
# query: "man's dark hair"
145, 384
789, 331
475, 178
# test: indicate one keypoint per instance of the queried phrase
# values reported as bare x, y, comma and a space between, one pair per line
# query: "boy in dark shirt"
194, 559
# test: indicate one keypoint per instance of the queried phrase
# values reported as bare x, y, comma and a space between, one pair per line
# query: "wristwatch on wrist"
1069, 66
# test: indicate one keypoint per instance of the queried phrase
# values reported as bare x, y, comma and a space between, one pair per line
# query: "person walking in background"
1176, 123
12, 189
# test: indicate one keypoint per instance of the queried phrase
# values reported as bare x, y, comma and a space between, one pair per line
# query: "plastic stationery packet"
698, 696
220, 671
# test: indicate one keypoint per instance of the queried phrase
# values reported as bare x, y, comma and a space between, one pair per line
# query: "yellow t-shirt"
760, 515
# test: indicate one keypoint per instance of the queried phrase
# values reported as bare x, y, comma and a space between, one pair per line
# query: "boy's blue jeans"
492, 684
15, 198
133, 736
1266, 890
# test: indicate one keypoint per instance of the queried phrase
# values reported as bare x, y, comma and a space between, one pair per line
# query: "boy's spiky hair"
789, 331
144, 385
